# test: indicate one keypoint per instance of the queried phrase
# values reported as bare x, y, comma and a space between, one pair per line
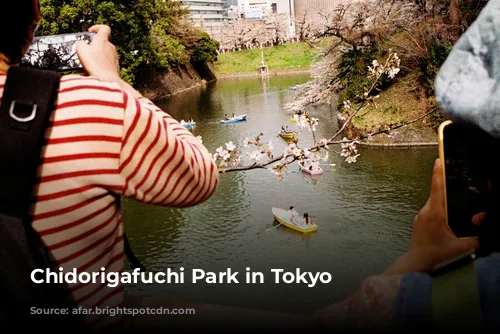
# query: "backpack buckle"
23, 103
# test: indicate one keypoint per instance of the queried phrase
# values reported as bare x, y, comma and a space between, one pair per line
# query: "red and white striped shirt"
102, 144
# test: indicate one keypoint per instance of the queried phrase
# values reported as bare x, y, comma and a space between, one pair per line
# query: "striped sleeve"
161, 162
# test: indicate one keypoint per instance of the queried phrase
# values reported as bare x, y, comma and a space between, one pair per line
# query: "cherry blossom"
261, 155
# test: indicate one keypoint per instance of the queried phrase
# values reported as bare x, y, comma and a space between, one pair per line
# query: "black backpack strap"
28, 100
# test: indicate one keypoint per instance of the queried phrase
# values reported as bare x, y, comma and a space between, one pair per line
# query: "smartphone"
469, 171
56, 52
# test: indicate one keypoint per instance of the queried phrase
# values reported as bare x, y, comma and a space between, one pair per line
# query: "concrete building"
234, 13
302, 6
255, 9
208, 15
285, 7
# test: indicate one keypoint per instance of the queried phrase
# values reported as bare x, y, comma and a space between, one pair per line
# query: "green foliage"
169, 51
352, 73
205, 50
429, 67
144, 31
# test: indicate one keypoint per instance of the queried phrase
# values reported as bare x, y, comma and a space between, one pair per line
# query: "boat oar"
331, 165
274, 227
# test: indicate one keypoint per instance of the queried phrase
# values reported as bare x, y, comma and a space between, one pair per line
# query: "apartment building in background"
207, 15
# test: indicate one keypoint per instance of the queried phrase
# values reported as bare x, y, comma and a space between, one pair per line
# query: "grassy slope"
399, 103
293, 56
396, 104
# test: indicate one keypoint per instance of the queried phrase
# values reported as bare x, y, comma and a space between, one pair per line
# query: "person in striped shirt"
105, 141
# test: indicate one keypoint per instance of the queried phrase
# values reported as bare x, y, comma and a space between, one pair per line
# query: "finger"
456, 248
81, 47
102, 32
478, 218
437, 187
460, 246
81, 51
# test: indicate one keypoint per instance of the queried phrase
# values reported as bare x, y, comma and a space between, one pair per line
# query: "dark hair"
306, 215
291, 207
17, 25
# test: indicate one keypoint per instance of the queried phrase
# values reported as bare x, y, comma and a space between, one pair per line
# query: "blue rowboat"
235, 119
188, 125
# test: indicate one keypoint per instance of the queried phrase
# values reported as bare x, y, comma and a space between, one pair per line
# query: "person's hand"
99, 58
432, 241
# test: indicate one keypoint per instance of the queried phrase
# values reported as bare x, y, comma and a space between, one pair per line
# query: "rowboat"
235, 119
188, 125
287, 135
311, 171
298, 224
293, 120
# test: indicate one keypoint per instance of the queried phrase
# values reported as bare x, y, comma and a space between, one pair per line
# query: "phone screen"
470, 167
56, 52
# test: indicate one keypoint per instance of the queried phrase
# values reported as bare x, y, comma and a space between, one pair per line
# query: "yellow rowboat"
298, 224
290, 135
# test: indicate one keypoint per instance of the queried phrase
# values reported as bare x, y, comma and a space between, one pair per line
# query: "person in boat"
306, 219
234, 115
287, 130
225, 117
293, 213
283, 129
314, 165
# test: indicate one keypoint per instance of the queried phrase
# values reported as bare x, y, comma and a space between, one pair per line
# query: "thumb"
460, 246
81, 48
437, 187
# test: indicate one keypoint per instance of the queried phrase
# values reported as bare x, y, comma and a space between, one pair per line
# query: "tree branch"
320, 146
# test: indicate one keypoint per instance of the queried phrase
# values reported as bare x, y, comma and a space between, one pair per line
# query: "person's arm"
432, 242
160, 161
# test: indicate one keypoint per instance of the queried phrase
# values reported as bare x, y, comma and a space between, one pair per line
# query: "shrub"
423, 48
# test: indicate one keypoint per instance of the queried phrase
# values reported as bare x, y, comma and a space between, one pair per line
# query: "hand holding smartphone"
469, 171
56, 52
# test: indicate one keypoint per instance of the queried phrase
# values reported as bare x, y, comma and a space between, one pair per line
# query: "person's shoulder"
79, 81
84, 89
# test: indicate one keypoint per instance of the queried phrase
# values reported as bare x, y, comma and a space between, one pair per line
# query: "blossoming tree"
257, 153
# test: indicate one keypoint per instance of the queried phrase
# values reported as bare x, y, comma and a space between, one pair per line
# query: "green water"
364, 210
